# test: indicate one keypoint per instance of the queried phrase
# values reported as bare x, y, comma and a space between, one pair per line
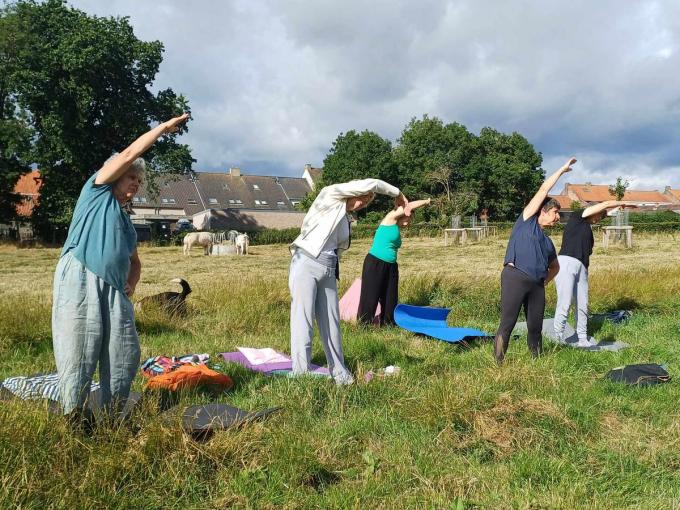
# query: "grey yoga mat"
571, 339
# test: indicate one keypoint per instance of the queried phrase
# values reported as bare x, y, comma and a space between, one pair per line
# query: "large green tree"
463, 171
83, 84
358, 156
508, 172
427, 145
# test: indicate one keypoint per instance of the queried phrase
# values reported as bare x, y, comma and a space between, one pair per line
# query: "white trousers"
572, 283
314, 295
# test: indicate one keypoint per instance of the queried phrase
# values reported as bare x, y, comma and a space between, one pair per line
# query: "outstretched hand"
172, 125
567, 166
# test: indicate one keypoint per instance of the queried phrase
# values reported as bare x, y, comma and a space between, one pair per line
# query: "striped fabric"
39, 386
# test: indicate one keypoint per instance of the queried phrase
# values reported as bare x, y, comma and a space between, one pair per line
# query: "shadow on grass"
155, 327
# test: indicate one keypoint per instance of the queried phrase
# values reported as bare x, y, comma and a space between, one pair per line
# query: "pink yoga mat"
349, 303
266, 368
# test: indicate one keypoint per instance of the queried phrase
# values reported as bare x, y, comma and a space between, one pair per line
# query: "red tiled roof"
600, 193
564, 201
675, 193
28, 186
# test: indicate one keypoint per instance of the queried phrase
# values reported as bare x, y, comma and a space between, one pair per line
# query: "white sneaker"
585, 344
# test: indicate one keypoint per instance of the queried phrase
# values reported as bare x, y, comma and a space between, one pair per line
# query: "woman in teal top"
380, 275
93, 321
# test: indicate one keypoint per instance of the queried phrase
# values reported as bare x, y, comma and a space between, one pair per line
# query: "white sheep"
204, 239
242, 243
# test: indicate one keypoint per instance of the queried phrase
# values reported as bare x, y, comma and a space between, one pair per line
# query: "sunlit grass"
452, 426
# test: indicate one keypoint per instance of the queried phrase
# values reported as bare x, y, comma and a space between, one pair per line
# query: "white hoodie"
329, 209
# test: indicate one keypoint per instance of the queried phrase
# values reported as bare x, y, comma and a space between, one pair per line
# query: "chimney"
235, 171
667, 189
308, 167
587, 185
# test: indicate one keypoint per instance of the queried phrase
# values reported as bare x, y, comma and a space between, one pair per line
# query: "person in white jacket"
314, 270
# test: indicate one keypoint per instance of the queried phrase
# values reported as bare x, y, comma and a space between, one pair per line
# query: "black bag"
641, 375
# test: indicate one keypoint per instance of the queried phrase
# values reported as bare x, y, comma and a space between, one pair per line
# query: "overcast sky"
272, 83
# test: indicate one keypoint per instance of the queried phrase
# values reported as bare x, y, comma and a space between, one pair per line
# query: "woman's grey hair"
138, 165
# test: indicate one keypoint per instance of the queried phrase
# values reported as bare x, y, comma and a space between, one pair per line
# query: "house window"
256, 187
164, 200
192, 201
295, 202
232, 201
239, 201
257, 202
135, 199
225, 187
263, 202
142, 200
171, 201
212, 200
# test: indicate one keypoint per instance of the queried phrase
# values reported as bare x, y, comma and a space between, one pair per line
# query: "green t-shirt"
386, 243
101, 235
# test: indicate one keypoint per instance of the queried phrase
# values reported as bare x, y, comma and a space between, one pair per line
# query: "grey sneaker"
586, 344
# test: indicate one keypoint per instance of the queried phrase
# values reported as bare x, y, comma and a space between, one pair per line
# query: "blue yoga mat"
430, 321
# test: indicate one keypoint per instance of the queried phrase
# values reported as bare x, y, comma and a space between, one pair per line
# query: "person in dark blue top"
93, 321
530, 264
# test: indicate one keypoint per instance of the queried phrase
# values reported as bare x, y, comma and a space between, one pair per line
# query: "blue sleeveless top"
530, 250
101, 235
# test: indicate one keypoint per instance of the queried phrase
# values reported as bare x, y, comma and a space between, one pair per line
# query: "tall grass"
451, 430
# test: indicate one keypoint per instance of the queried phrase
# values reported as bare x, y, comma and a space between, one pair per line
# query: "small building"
249, 202
590, 194
312, 175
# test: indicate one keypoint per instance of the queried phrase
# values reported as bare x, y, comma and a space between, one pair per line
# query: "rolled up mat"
430, 321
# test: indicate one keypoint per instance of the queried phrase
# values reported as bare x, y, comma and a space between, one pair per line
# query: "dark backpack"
641, 375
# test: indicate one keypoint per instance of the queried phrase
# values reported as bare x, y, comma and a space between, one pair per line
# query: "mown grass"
451, 429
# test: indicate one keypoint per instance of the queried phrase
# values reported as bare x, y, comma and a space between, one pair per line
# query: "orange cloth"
190, 376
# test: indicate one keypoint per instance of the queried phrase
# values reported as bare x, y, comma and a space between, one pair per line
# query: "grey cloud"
273, 83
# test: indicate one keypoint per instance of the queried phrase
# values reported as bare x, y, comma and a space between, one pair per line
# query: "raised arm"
535, 204
360, 187
118, 165
608, 204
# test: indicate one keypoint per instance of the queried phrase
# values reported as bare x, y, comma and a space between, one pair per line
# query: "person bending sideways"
530, 264
380, 275
574, 258
92, 316
314, 270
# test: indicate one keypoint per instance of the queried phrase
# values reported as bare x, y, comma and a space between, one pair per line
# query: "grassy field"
453, 430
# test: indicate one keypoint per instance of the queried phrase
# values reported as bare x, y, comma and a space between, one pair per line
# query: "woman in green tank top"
380, 275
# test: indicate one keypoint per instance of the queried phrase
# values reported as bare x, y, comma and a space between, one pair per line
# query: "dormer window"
256, 187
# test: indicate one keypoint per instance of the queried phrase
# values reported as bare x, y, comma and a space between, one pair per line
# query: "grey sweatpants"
92, 324
572, 282
314, 295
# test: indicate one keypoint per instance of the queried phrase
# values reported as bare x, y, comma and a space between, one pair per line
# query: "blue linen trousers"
92, 323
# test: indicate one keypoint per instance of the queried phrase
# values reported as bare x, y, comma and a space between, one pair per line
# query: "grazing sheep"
171, 302
242, 243
204, 239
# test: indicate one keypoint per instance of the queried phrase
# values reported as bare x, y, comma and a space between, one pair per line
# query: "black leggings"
379, 284
519, 289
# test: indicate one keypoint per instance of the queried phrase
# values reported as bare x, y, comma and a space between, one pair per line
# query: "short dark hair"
550, 203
